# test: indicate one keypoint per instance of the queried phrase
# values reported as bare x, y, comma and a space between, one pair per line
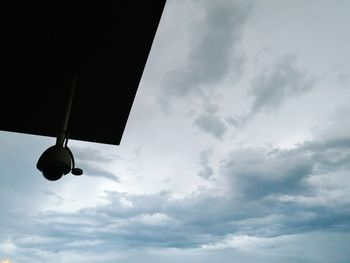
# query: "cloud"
214, 48
336, 125
90, 161
254, 203
206, 171
211, 124
283, 81
236, 122
267, 193
91, 154
254, 173
91, 169
58, 199
329, 248
257, 173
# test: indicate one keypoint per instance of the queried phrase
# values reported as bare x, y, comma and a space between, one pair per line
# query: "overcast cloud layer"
237, 149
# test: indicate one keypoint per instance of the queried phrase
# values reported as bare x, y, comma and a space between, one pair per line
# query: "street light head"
55, 162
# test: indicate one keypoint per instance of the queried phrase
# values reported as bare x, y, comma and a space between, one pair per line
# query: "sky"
237, 149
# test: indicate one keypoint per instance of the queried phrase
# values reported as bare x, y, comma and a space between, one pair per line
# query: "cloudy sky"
237, 149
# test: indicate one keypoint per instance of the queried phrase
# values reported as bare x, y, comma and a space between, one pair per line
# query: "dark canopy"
106, 43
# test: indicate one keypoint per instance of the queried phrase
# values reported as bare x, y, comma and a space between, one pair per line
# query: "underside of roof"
105, 43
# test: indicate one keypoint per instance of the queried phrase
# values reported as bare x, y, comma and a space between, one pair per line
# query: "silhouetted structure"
105, 43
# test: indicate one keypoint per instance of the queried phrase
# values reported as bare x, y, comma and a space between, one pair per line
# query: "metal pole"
62, 135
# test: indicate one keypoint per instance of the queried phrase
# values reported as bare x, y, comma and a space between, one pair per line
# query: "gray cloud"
211, 124
236, 122
330, 247
251, 205
90, 169
257, 174
88, 158
272, 87
206, 171
213, 48
91, 154
211, 108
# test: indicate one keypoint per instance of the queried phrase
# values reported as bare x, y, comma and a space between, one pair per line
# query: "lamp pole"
63, 133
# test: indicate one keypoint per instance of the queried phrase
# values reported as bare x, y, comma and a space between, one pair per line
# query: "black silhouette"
104, 43
58, 160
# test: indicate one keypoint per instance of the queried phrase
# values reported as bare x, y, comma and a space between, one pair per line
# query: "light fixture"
58, 160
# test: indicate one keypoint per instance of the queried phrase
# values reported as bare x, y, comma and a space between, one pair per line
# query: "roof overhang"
106, 43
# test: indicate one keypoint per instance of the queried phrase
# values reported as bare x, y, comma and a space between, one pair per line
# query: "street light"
58, 160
